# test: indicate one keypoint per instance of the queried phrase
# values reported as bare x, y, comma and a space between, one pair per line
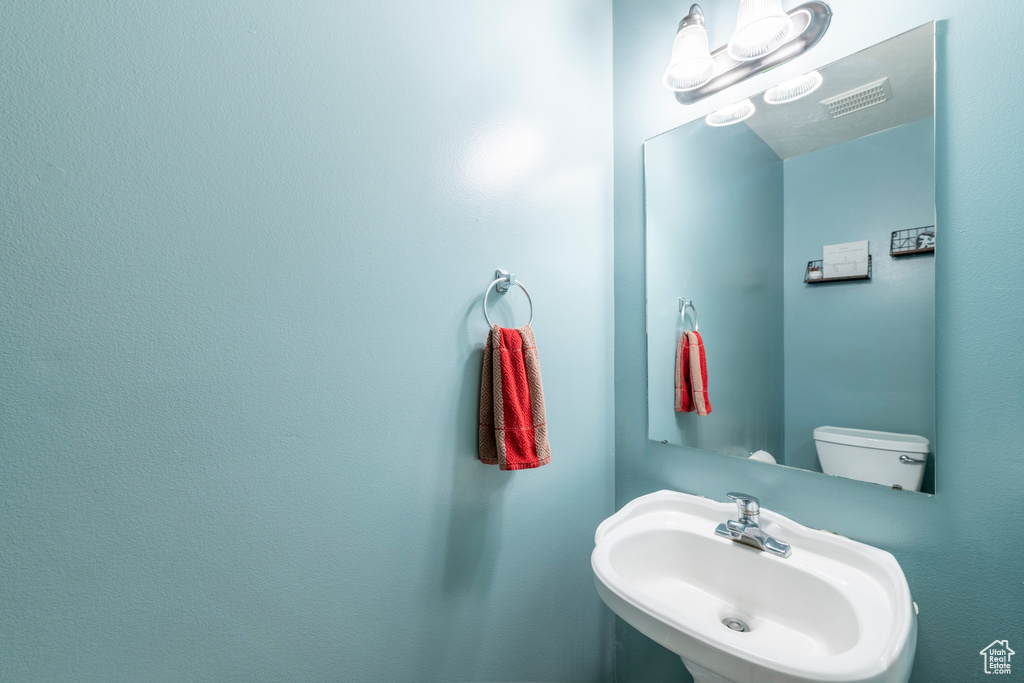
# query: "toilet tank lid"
865, 438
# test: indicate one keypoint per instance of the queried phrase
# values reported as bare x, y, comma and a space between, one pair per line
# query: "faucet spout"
747, 531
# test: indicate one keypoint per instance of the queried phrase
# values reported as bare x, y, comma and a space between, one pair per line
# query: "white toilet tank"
884, 458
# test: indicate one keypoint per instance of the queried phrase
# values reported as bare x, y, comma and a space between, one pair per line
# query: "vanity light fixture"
765, 37
734, 113
691, 65
794, 89
761, 27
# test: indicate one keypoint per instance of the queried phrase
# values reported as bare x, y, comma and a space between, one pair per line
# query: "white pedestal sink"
834, 610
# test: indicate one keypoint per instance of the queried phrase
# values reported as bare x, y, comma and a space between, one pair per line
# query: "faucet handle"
747, 505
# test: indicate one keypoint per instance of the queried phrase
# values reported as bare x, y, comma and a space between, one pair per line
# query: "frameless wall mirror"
803, 233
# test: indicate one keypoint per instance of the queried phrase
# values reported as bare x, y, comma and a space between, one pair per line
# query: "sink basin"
834, 610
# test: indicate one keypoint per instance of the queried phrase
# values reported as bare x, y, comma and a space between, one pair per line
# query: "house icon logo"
997, 657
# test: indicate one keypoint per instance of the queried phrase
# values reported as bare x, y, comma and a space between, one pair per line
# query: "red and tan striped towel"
691, 375
513, 432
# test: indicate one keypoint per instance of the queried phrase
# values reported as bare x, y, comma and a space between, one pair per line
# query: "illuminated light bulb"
762, 26
734, 113
691, 65
794, 89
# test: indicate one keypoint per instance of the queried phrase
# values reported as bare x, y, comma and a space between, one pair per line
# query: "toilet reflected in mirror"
886, 458
805, 234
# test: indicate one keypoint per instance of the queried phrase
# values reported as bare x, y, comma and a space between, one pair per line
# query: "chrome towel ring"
683, 303
503, 282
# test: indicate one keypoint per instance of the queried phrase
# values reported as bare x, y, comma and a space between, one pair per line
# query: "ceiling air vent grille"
861, 98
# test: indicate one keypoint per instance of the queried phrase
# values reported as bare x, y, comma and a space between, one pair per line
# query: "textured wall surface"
715, 217
960, 549
242, 253
860, 354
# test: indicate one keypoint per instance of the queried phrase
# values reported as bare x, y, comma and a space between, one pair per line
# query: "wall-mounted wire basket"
816, 267
913, 241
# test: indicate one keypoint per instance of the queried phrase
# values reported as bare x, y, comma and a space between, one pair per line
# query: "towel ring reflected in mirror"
683, 303
508, 281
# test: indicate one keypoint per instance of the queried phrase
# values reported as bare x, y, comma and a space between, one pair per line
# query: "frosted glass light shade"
792, 90
691, 65
761, 27
734, 113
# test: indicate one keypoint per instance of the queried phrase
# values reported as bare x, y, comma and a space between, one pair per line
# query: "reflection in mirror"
820, 349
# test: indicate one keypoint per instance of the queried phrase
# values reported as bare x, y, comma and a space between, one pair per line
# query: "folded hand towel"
684, 396
691, 375
513, 431
698, 374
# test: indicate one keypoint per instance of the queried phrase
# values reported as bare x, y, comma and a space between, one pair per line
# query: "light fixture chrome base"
810, 21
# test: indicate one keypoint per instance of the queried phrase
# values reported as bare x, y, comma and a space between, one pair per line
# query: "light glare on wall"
503, 154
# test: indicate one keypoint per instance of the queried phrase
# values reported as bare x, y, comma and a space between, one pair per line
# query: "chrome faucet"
746, 530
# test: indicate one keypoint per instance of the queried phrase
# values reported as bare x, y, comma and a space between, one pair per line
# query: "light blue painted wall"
860, 354
959, 549
242, 252
715, 219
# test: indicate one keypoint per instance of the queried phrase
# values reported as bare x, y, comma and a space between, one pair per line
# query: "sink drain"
736, 624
